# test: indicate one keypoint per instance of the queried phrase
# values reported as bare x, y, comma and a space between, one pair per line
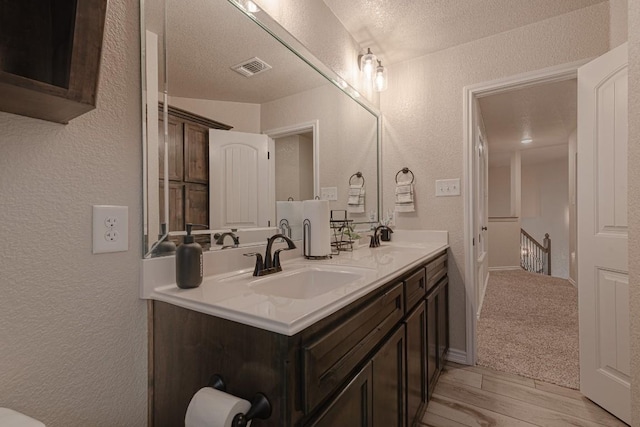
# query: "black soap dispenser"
189, 263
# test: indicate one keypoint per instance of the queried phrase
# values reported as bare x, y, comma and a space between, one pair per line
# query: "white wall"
294, 168
545, 193
73, 336
634, 205
347, 138
423, 117
499, 191
504, 250
242, 116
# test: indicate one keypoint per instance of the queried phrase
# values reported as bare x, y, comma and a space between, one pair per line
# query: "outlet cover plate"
448, 187
110, 229
329, 193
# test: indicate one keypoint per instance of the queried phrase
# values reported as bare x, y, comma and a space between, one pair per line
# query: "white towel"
404, 197
355, 204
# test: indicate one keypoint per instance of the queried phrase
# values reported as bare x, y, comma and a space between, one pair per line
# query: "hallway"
529, 326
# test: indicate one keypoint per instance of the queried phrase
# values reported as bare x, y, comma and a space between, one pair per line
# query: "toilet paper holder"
260, 405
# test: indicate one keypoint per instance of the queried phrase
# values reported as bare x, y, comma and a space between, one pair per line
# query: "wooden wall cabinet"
188, 146
50, 57
364, 365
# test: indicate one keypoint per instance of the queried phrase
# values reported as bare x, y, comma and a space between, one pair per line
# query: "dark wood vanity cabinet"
50, 57
365, 365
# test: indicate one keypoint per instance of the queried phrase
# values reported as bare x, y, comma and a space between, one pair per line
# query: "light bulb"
367, 64
380, 79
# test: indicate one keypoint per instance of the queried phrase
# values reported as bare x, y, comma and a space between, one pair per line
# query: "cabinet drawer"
436, 270
414, 289
331, 358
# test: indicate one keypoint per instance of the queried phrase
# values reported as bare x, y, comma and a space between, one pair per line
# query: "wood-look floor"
477, 396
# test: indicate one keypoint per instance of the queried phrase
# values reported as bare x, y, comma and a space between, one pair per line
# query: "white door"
240, 180
603, 281
482, 217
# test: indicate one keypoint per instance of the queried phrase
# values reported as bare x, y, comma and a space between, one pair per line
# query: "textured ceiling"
401, 29
546, 113
207, 37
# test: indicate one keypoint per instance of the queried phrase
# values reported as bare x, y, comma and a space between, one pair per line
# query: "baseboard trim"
514, 267
573, 282
457, 356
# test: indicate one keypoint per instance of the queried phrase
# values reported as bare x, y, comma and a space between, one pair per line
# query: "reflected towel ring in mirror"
356, 175
405, 171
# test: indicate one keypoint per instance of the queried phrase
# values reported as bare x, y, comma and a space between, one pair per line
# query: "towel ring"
357, 175
406, 170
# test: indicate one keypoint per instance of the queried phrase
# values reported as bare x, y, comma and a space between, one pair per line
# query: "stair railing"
535, 257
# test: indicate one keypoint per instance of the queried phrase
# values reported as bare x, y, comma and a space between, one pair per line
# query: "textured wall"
617, 22
546, 185
73, 335
423, 117
313, 24
499, 191
634, 204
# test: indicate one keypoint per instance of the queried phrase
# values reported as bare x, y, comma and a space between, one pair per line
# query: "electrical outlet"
110, 228
329, 193
448, 187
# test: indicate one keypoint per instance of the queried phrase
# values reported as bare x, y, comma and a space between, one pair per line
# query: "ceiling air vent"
251, 67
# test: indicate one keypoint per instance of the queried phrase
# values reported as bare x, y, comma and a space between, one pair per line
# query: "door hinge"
473, 241
268, 155
268, 223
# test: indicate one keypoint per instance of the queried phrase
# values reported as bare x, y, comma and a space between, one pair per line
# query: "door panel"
240, 180
603, 286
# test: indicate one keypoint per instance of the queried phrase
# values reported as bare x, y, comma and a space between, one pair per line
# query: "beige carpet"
529, 326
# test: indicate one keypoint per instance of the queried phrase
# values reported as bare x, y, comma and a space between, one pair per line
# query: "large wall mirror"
240, 120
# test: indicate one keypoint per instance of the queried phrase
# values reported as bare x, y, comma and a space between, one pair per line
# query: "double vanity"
358, 339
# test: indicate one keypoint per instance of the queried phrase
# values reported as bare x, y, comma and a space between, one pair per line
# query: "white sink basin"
306, 282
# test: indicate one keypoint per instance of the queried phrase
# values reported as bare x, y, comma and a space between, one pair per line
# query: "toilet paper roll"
317, 212
214, 408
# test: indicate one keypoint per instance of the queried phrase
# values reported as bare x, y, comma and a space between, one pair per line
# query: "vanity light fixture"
368, 64
526, 141
380, 81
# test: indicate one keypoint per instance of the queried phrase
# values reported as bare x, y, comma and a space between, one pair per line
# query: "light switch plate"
448, 187
329, 193
110, 229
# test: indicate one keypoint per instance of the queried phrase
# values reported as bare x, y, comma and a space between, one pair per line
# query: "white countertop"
235, 296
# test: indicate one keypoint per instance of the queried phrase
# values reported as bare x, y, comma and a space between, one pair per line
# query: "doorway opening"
494, 159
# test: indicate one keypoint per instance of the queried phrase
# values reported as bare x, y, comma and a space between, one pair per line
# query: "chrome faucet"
220, 239
375, 238
270, 264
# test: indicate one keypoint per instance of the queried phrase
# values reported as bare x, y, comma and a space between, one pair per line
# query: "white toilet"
11, 418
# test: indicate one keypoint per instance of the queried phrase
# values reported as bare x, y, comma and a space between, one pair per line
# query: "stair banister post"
547, 245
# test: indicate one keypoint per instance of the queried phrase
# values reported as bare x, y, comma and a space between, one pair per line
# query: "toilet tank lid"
11, 418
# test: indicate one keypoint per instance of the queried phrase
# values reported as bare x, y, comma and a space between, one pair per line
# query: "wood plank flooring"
476, 396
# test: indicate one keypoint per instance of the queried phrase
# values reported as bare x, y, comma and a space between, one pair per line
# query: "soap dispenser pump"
189, 263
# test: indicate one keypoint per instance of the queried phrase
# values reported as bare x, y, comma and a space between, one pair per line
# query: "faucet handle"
276, 258
257, 271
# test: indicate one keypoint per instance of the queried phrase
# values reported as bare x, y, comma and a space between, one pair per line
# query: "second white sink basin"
305, 283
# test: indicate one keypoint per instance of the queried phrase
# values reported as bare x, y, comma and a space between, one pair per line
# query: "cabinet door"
176, 144
389, 371
196, 153
176, 204
443, 322
196, 203
416, 325
353, 406
432, 341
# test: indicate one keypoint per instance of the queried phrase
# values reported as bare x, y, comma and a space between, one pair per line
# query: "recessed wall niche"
50, 57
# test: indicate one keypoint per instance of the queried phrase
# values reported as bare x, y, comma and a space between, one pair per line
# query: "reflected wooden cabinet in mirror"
188, 147
50, 57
